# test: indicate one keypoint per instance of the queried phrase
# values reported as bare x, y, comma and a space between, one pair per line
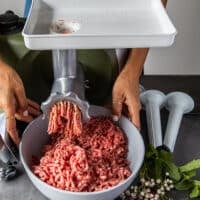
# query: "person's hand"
13, 101
125, 97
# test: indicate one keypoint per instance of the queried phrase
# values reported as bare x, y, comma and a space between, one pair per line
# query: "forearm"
135, 62
164, 2
136, 59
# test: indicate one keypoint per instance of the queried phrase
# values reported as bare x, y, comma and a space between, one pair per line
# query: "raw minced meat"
92, 159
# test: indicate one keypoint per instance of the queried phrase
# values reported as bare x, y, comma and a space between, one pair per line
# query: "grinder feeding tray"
98, 24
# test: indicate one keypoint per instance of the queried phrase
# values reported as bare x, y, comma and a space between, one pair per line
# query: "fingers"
116, 109
27, 116
134, 111
10, 108
118, 98
23, 118
12, 130
25, 106
21, 98
32, 110
126, 96
33, 104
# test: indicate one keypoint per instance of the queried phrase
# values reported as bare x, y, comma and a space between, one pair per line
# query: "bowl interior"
35, 137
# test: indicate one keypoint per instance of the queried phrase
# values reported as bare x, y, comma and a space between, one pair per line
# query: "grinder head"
70, 96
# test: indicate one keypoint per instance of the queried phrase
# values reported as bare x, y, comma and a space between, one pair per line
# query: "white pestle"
178, 103
152, 101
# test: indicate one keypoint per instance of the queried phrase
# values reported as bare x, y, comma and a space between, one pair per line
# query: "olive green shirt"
35, 69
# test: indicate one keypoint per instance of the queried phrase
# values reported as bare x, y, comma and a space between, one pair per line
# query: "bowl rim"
133, 173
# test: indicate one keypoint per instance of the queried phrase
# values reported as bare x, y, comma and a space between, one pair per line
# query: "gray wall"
183, 58
15, 5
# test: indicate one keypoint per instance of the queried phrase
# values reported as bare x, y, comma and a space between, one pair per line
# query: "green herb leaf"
143, 170
197, 183
184, 185
151, 151
192, 165
172, 169
195, 192
165, 155
189, 175
158, 169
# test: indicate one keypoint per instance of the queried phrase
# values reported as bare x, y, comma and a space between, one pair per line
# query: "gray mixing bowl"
35, 137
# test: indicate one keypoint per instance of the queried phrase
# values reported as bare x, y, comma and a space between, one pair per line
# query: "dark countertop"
187, 148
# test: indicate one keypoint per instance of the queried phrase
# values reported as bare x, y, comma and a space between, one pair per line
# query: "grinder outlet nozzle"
71, 97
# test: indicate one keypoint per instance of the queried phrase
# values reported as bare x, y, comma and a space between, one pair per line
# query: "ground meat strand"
93, 161
65, 117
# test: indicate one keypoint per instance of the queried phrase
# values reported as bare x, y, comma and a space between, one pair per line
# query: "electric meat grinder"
68, 84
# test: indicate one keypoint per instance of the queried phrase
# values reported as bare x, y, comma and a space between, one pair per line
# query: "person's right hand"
13, 101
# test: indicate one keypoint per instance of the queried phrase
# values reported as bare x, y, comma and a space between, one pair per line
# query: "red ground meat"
94, 160
65, 117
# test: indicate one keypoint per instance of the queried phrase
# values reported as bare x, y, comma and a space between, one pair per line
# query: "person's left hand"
125, 95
